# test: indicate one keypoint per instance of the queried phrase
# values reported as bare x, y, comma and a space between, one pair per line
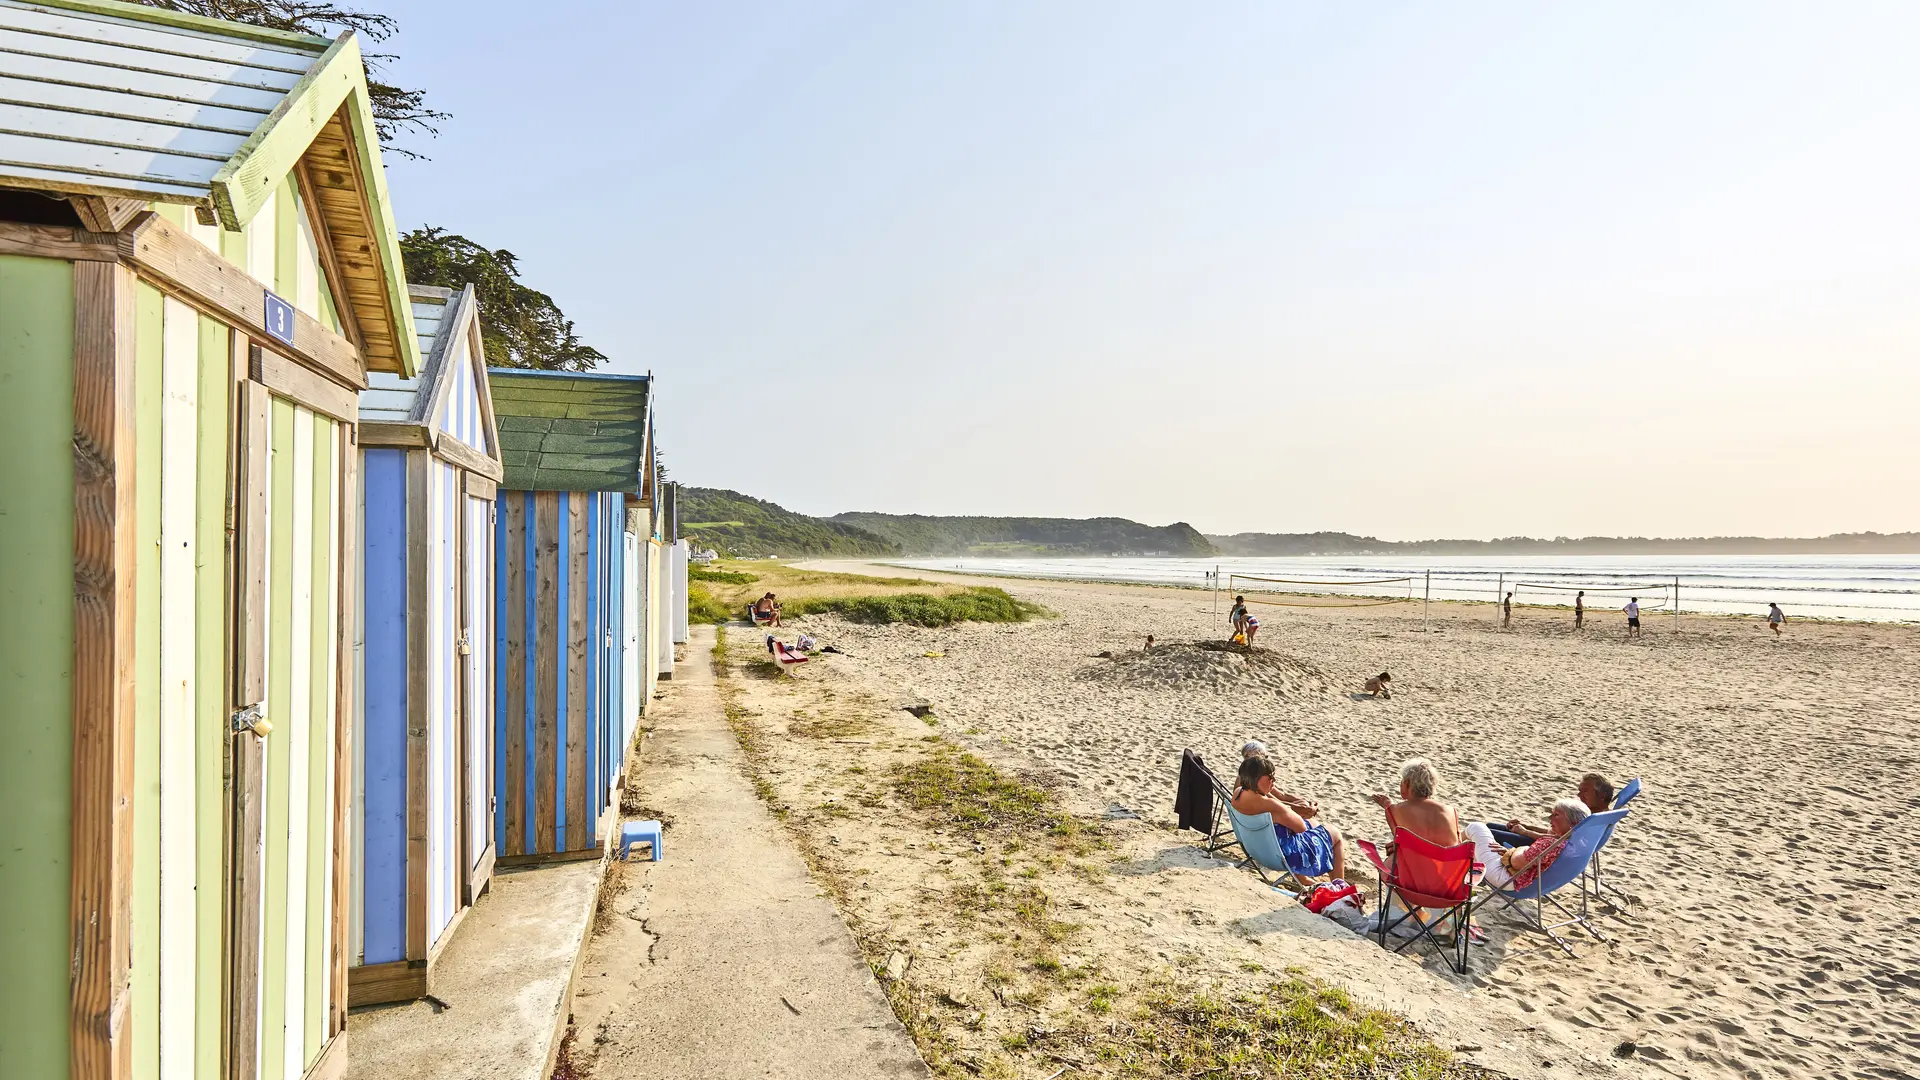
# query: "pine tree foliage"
522, 327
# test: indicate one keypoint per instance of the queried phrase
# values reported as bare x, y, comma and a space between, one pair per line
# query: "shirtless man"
1579, 608
1418, 811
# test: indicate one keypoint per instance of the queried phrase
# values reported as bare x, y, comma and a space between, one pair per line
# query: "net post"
1499, 588
1676, 603
1426, 605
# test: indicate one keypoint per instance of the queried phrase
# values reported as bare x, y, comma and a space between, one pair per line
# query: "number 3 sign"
279, 319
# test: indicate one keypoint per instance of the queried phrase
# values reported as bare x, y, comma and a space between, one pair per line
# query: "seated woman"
1596, 792
1311, 850
1519, 867
1418, 811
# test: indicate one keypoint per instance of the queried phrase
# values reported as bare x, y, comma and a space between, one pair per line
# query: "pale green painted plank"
146, 680
280, 711
325, 607
36, 661
294, 743
174, 214
210, 742
233, 246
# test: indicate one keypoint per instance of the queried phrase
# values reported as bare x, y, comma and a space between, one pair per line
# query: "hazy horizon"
1403, 271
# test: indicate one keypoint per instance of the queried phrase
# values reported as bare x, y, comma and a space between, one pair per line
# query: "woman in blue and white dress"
1312, 850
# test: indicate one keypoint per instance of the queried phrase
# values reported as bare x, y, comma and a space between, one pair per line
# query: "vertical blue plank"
562, 628
384, 722
502, 708
616, 637
593, 796
531, 693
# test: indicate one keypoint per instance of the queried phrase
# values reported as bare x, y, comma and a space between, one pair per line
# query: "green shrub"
921, 609
703, 608
724, 577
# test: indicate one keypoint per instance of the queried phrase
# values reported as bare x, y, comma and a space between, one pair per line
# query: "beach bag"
1328, 893
807, 644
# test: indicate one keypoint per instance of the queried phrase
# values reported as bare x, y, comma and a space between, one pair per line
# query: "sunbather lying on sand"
1596, 792
1517, 867
1311, 850
1418, 811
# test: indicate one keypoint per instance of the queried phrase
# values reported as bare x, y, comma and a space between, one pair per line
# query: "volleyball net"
1306, 592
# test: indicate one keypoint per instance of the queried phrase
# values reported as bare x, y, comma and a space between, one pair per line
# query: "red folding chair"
1421, 874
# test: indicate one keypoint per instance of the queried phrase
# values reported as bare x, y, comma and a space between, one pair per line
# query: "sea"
1878, 588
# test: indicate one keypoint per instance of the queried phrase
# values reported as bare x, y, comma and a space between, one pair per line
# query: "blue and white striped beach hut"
423, 833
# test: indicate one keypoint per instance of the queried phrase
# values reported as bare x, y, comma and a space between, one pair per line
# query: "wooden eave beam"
459, 453
181, 265
103, 214
366, 253
400, 433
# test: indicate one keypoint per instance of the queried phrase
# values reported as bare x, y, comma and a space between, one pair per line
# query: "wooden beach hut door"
476, 699
292, 600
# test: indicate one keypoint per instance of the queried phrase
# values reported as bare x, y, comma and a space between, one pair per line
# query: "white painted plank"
386, 401
179, 424
107, 164
95, 101
357, 908
124, 57
175, 87
149, 36
216, 146
479, 674
385, 380
296, 746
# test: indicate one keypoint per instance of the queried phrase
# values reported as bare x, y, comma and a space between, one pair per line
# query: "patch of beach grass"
960, 791
974, 604
724, 577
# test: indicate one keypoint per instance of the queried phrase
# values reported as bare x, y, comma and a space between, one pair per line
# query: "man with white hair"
1515, 867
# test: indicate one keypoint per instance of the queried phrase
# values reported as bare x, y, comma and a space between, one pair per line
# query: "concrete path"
725, 960
504, 975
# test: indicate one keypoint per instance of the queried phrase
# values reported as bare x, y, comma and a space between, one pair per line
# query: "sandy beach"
1771, 931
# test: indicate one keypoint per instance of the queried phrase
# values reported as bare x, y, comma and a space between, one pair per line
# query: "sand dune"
1771, 860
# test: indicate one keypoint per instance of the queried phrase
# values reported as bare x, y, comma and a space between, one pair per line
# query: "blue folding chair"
1567, 867
1591, 881
1258, 840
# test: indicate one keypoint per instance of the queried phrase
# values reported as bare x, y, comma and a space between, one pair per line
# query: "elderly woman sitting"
1519, 867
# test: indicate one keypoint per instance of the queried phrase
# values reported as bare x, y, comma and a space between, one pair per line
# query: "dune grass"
922, 609
722, 591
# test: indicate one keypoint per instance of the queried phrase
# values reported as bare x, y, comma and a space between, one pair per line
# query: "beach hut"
577, 451
423, 761
198, 271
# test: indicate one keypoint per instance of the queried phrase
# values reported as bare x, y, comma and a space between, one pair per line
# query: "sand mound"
1214, 665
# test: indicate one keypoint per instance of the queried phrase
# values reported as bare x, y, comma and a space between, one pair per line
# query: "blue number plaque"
279, 318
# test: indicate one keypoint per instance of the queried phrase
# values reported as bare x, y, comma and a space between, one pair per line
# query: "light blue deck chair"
1257, 839
1568, 867
1591, 883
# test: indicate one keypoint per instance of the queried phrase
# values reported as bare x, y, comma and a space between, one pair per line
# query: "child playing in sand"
1237, 618
1253, 627
1378, 686
1775, 617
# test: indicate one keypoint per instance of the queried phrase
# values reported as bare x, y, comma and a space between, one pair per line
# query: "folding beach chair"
1591, 882
1257, 838
1222, 835
1422, 874
787, 658
1576, 852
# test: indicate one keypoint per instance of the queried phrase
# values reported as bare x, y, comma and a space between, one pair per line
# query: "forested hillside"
918, 534
736, 524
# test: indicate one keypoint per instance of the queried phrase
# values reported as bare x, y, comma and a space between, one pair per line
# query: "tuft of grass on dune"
724, 577
977, 604
702, 607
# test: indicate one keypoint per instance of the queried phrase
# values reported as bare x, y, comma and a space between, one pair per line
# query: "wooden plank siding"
559, 725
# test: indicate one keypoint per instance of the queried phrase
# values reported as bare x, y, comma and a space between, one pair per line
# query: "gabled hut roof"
128, 104
450, 398
565, 431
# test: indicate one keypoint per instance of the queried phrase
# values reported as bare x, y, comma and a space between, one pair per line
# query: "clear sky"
1464, 269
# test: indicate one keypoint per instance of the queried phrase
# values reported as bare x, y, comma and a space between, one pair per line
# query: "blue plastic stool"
638, 832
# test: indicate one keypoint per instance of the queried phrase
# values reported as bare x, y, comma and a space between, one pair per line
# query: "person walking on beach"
1775, 619
1633, 618
1506, 612
1579, 608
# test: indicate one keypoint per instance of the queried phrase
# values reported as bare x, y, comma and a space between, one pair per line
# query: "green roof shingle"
562, 431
